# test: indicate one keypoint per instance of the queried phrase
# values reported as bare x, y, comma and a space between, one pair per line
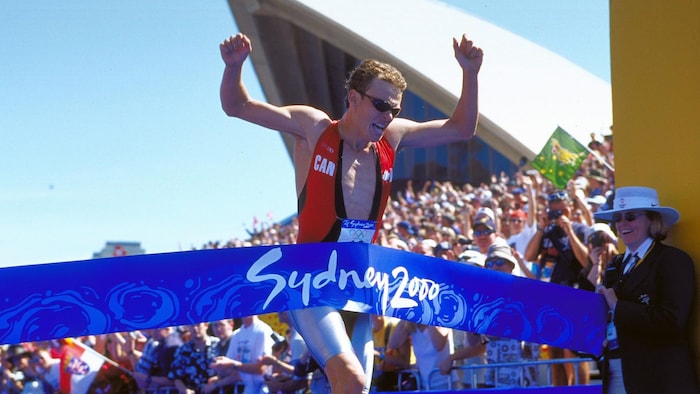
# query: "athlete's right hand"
235, 49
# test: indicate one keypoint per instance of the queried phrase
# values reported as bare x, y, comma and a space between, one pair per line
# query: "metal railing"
238, 387
473, 368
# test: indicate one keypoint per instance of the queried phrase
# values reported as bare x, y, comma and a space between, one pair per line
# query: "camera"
554, 214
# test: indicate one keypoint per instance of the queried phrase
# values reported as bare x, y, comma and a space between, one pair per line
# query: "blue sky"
111, 127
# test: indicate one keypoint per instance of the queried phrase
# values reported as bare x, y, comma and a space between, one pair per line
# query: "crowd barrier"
236, 388
543, 386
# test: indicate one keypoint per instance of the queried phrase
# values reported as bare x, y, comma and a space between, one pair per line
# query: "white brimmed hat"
500, 249
633, 198
602, 227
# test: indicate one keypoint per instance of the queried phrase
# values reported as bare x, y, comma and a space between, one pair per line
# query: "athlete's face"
377, 106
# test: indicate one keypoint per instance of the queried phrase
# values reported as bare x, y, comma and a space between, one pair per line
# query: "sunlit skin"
635, 232
222, 329
516, 225
199, 332
483, 241
506, 268
375, 121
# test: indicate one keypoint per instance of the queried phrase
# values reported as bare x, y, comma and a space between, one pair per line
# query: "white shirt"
247, 345
521, 240
428, 358
641, 251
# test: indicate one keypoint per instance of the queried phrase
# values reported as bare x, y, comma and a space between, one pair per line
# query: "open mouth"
379, 128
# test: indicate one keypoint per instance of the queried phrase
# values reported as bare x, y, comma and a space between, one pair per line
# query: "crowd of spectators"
455, 222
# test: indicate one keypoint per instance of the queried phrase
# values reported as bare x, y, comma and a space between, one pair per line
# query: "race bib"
354, 230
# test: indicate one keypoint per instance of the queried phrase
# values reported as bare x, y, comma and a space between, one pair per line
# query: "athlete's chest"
359, 181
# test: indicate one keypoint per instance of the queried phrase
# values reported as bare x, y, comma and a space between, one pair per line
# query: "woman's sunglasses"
628, 216
380, 105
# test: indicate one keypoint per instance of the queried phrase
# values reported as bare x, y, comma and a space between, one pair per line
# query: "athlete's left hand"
467, 54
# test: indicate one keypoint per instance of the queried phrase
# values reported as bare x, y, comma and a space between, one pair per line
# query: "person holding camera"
559, 246
602, 243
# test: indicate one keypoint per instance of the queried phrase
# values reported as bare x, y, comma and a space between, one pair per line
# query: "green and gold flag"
560, 157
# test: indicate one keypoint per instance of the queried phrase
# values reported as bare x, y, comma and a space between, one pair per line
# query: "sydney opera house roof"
303, 49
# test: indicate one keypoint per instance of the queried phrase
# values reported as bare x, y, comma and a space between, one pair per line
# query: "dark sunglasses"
628, 216
381, 105
497, 263
513, 220
479, 233
558, 196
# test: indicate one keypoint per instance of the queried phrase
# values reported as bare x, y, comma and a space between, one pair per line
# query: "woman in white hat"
649, 291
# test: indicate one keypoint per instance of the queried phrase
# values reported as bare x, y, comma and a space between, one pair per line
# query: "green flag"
560, 157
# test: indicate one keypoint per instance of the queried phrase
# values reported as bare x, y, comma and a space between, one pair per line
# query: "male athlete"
350, 159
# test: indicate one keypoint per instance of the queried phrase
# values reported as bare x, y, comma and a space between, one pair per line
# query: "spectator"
45, 370
595, 203
394, 242
495, 349
448, 221
425, 247
184, 332
431, 345
297, 346
298, 355
15, 363
473, 257
470, 349
152, 363
445, 251
405, 231
389, 359
559, 243
597, 182
580, 210
523, 226
190, 370
650, 292
506, 350
602, 243
484, 232
281, 370
223, 329
249, 344
115, 346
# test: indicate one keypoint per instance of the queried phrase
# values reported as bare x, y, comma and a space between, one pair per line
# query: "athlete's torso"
321, 204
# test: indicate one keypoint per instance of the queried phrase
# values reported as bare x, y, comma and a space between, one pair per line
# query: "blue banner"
119, 294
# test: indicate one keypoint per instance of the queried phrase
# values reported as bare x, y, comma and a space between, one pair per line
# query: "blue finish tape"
71, 299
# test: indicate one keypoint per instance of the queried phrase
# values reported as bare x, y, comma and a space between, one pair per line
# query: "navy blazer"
652, 318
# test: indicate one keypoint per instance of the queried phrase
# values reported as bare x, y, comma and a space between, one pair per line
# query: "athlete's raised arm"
461, 125
235, 101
